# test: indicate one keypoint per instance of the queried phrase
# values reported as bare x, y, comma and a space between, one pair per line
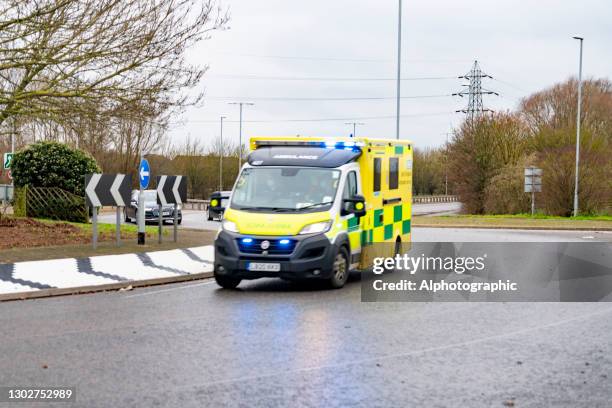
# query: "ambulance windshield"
285, 189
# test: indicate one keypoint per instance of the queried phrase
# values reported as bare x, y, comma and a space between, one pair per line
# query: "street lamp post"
240, 132
578, 112
399, 70
221, 156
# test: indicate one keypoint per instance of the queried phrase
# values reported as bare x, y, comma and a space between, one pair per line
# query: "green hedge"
49, 180
53, 164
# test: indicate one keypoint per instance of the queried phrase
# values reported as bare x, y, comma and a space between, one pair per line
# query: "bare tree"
58, 57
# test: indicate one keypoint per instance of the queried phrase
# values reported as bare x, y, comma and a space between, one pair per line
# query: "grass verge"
518, 221
33, 239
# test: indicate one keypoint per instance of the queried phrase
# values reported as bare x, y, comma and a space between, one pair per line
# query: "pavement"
277, 344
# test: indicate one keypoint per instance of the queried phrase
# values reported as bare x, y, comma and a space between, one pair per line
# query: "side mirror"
354, 205
216, 203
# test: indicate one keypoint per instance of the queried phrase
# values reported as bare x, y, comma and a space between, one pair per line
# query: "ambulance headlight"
316, 228
229, 226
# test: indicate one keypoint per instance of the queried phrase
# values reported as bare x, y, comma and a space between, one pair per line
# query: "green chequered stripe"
367, 236
388, 231
364, 237
377, 218
405, 226
397, 213
352, 224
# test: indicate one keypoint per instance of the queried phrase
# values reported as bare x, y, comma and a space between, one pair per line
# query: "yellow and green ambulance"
314, 208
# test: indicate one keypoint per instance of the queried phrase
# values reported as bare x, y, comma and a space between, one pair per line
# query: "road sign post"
533, 184
144, 173
106, 189
160, 223
171, 190
175, 222
94, 227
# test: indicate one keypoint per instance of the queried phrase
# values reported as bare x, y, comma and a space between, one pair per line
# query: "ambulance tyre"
340, 269
397, 250
398, 247
227, 282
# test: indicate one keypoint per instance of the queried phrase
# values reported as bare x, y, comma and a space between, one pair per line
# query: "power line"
511, 85
348, 118
335, 59
288, 98
289, 78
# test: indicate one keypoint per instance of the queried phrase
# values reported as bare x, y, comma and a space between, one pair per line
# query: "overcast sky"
525, 45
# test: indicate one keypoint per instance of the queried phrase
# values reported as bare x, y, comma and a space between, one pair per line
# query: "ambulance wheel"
398, 247
340, 269
227, 282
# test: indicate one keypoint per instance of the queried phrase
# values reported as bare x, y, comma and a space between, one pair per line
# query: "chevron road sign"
107, 189
171, 190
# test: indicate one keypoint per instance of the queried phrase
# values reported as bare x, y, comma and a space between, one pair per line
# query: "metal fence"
49, 202
435, 199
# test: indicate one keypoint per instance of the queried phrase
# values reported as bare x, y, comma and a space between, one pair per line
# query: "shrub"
52, 164
50, 183
504, 193
479, 151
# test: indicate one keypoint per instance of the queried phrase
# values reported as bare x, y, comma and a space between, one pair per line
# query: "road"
275, 344
197, 219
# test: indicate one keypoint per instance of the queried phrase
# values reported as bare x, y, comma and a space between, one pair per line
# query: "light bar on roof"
329, 144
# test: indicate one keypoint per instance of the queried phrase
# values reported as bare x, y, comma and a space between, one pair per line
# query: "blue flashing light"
284, 242
342, 145
247, 240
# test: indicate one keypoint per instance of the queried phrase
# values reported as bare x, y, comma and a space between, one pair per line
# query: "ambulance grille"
282, 246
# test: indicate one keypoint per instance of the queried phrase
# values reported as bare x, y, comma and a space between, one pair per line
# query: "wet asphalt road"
275, 344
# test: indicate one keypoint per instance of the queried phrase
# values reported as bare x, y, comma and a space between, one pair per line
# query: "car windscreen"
285, 189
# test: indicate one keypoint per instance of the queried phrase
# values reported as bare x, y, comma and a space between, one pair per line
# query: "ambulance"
315, 208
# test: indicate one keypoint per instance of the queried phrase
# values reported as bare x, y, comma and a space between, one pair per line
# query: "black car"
151, 209
218, 202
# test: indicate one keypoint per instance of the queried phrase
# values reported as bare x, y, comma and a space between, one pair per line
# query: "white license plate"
264, 267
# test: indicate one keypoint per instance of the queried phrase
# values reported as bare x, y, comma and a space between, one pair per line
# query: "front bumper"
166, 216
312, 258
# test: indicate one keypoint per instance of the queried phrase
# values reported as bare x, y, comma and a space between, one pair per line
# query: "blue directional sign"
144, 173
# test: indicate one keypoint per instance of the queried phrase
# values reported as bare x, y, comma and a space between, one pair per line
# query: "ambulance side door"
352, 224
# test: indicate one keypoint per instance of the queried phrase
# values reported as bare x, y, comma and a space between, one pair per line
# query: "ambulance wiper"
315, 205
275, 209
